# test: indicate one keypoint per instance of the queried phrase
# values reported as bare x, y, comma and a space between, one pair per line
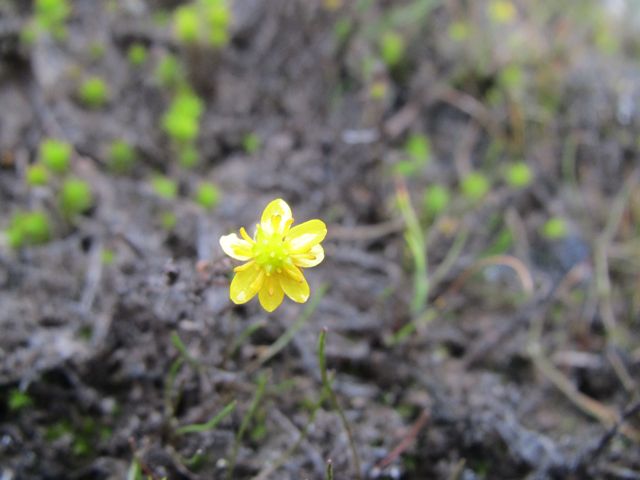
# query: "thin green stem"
326, 384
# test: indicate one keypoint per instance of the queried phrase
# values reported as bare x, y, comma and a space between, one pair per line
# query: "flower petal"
271, 294
297, 289
236, 247
303, 237
246, 283
309, 259
276, 208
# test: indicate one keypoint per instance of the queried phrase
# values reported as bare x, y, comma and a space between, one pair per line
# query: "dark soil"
525, 362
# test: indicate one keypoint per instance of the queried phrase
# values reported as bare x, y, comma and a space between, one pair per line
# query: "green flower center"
270, 252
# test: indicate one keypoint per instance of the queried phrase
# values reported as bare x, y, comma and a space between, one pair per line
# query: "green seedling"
218, 18
168, 72
207, 195
107, 256
50, 16
121, 157
75, 197
378, 90
19, 400
416, 243
518, 175
342, 29
137, 54
37, 175
511, 78
186, 24
435, 199
168, 220
459, 31
555, 228
417, 149
96, 50
188, 156
392, 49
164, 187
203, 22
246, 421
328, 391
28, 229
93, 92
211, 424
182, 121
251, 143
475, 186
55, 155
502, 11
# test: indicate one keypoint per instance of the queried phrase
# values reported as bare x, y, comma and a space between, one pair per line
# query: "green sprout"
502, 11
50, 16
392, 48
511, 78
55, 155
121, 157
203, 22
168, 220
186, 24
218, 18
207, 195
418, 152
96, 50
188, 156
555, 228
93, 92
518, 175
182, 121
164, 187
19, 400
459, 31
28, 229
37, 175
475, 186
378, 90
168, 72
107, 256
435, 199
251, 143
137, 54
75, 197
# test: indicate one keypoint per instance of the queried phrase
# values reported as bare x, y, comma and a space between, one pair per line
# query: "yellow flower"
274, 257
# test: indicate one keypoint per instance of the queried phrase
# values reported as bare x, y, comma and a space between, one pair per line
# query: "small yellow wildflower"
274, 257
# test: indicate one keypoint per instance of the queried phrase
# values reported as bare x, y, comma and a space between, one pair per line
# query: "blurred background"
476, 163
